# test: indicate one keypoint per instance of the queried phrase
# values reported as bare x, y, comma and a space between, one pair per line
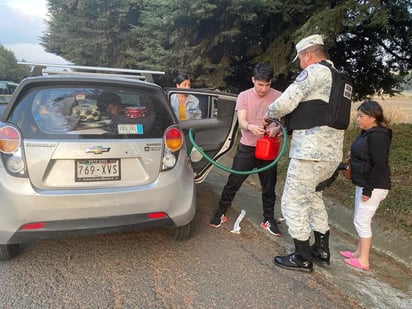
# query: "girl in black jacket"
370, 174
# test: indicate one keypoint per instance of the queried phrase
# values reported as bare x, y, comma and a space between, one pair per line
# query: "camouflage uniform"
315, 154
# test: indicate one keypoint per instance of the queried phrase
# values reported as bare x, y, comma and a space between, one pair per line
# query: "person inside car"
109, 104
185, 106
56, 116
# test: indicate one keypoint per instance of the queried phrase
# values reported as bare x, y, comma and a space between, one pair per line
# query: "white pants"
364, 211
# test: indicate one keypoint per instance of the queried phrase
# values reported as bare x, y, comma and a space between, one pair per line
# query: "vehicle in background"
84, 153
6, 90
7, 87
4, 99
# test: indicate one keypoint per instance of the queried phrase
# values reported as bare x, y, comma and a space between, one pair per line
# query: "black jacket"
369, 159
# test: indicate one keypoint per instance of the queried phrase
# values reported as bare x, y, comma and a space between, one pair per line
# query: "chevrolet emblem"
97, 149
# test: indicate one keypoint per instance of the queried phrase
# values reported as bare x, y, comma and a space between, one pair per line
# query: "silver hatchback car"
96, 154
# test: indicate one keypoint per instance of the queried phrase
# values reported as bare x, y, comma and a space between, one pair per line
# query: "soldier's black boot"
301, 259
320, 249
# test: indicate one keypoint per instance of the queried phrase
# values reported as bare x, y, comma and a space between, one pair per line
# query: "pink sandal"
354, 262
346, 254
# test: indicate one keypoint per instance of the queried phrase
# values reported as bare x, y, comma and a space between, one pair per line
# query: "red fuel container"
267, 148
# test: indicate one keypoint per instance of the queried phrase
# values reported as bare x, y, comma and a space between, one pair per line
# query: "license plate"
97, 170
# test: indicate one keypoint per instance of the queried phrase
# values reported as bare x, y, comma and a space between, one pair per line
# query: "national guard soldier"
315, 153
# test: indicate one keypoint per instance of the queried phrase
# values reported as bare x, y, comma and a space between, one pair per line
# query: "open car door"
215, 132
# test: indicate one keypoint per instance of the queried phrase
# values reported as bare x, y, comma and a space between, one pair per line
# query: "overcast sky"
21, 25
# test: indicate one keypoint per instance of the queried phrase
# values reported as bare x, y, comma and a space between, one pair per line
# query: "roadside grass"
395, 212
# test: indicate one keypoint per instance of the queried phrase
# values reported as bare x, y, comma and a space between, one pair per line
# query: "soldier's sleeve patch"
302, 76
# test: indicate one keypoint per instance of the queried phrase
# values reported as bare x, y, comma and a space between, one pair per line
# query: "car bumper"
90, 226
103, 210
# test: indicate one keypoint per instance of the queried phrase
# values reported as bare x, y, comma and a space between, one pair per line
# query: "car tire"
9, 251
182, 232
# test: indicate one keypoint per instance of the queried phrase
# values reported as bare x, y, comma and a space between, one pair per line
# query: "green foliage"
219, 41
9, 69
91, 32
401, 150
369, 39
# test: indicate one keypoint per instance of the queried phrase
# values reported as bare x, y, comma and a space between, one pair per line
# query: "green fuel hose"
254, 171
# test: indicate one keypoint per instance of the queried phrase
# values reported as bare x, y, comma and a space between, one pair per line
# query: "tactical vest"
314, 113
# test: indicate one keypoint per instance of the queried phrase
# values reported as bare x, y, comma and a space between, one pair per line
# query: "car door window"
206, 102
216, 132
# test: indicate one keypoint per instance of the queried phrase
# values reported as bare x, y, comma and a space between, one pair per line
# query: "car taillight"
33, 226
173, 138
10, 139
157, 215
10, 147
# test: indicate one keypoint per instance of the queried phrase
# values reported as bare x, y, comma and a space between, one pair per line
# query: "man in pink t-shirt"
251, 107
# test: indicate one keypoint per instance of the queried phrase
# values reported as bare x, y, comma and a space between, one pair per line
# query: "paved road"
145, 269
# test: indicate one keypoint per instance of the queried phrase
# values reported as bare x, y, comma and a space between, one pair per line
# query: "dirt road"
213, 269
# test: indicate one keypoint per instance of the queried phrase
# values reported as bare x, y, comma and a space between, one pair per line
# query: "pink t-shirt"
256, 108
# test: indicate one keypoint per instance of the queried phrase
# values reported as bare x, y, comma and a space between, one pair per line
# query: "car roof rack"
38, 69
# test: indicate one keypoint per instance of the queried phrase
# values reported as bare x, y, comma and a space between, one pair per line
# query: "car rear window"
92, 112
